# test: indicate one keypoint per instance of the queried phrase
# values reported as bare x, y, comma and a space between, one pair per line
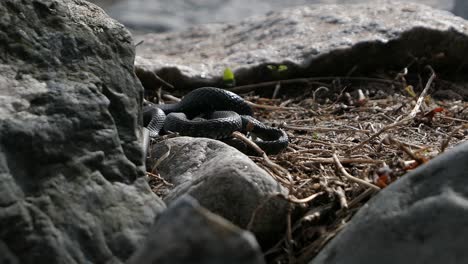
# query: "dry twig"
341, 197
349, 176
272, 107
445, 142
275, 167
403, 121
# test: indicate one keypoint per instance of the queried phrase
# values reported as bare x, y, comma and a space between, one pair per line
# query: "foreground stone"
188, 233
71, 189
325, 40
419, 219
224, 181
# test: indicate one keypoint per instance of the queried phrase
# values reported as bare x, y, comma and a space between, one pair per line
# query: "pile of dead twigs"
342, 152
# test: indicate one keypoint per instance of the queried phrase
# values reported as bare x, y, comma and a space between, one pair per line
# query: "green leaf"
282, 67
272, 67
315, 136
228, 77
410, 91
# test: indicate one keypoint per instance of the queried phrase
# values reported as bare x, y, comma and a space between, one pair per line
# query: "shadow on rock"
226, 182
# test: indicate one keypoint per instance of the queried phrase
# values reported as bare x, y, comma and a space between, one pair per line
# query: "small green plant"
315, 136
229, 79
279, 68
278, 71
409, 89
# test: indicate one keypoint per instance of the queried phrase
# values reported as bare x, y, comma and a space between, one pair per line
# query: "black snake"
213, 113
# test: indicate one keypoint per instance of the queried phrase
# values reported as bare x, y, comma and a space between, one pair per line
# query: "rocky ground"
163, 15
324, 129
373, 98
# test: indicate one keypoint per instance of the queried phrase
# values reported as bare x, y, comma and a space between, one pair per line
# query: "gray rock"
460, 8
419, 219
188, 233
224, 181
325, 40
166, 15
71, 189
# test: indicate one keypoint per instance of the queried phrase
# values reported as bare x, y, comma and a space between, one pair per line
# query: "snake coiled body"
214, 113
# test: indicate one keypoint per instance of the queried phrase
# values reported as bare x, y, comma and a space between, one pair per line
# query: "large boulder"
188, 233
421, 218
226, 182
71, 189
312, 41
167, 15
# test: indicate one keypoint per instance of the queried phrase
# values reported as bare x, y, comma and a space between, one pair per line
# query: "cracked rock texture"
421, 218
71, 189
324, 40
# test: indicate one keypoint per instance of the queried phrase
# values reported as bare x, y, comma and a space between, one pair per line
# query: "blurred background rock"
172, 15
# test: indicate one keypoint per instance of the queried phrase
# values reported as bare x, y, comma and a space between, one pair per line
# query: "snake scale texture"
213, 113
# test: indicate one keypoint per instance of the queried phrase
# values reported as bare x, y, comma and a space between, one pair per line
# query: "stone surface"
419, 219
166, 15
188, 233
460, 8
224, 181
325, 40
71, 189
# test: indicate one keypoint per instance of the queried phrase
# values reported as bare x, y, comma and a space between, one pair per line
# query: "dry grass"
347, 150
342, 152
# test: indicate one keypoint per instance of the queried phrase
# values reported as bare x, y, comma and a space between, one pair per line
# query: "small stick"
262, 153
323, 129
145, 142
405, 149
454, 119
378, 133
350, 177
250, 87
310, 161
304, 200
286, 102
168, 85
276, 91
249, 142
402, 121
358, 199
272, 107
139, 43
161, 159
170, 98
341, 197
308, 151
160, 178
423, 93
410, 144
316, 212
445, 142
321, 88
320, 142
303, 120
